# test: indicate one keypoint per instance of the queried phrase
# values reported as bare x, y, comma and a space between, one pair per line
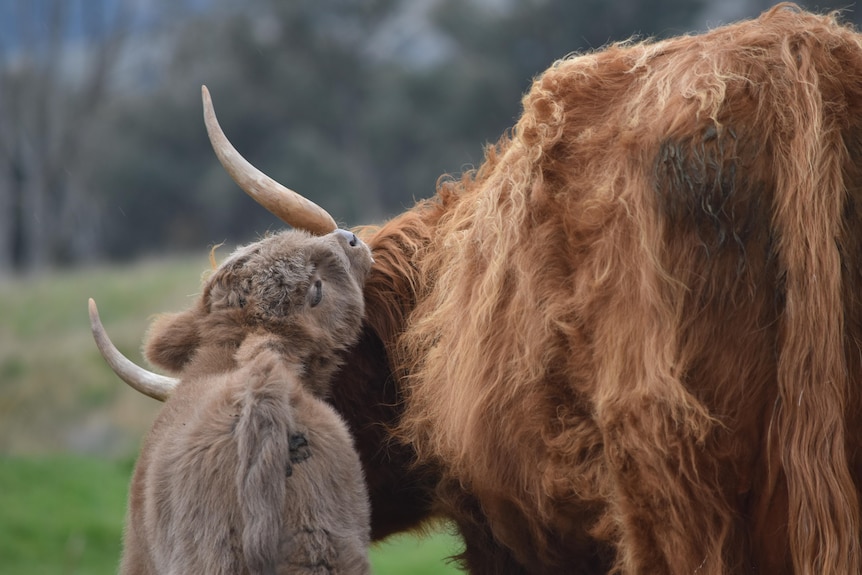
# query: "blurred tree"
51, 83
430, 119
360, 106
288, 82
731, 10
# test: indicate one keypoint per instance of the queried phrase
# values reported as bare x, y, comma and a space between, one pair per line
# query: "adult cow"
630, 341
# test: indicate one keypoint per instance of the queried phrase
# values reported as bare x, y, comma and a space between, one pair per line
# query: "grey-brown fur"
247, 469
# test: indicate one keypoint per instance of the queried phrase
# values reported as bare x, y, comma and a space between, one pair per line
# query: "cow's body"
631, 340
246, 469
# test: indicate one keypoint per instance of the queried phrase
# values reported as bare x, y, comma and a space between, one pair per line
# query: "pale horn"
284, 203
149, 383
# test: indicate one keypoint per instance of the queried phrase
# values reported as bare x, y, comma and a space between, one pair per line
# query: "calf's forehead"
291, 254
282, 246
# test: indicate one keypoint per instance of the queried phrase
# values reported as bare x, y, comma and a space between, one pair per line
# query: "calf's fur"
246, 469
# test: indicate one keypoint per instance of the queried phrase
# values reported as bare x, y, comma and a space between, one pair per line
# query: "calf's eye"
316, 293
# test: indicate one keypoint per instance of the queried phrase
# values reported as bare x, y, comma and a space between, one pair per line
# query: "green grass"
61, 515
69, 429
408, 554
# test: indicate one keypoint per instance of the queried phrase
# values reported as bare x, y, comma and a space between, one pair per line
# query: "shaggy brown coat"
246, 469
630, 341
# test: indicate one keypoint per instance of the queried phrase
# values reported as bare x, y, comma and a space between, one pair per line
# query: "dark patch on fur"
299, 448
698, 186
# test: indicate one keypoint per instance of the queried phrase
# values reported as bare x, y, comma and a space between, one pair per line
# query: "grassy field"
56, 393
69, 429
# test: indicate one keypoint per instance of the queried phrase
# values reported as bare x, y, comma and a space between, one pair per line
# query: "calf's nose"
349, 236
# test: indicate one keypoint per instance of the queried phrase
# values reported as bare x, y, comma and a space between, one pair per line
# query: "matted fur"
247, 469
630, 341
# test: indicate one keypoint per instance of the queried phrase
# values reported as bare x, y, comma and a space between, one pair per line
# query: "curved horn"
149, 383
286, 204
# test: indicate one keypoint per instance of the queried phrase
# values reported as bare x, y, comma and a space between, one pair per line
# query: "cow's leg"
314, 550
671, 512
486, 533
483, 554
767, 508
135, 559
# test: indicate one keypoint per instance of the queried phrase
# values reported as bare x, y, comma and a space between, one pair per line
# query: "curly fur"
246, 469
630, 341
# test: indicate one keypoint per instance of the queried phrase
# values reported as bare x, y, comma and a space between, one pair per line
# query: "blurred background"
109, 189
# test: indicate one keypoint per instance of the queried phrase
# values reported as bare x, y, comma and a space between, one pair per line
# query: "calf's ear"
172, 340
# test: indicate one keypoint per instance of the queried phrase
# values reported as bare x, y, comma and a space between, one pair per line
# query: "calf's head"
299, 293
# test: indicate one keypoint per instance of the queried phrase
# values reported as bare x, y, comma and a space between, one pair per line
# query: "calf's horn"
149, 383
284, 203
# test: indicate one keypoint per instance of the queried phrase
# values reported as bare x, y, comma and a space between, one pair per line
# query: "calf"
247, 469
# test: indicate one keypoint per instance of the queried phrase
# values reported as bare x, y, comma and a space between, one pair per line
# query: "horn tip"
207, 99
94, 311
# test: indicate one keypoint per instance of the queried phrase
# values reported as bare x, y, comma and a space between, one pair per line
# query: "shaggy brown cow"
632, 340
214, 489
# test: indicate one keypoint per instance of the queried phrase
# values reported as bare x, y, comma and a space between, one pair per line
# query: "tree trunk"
44, 215
6, 224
